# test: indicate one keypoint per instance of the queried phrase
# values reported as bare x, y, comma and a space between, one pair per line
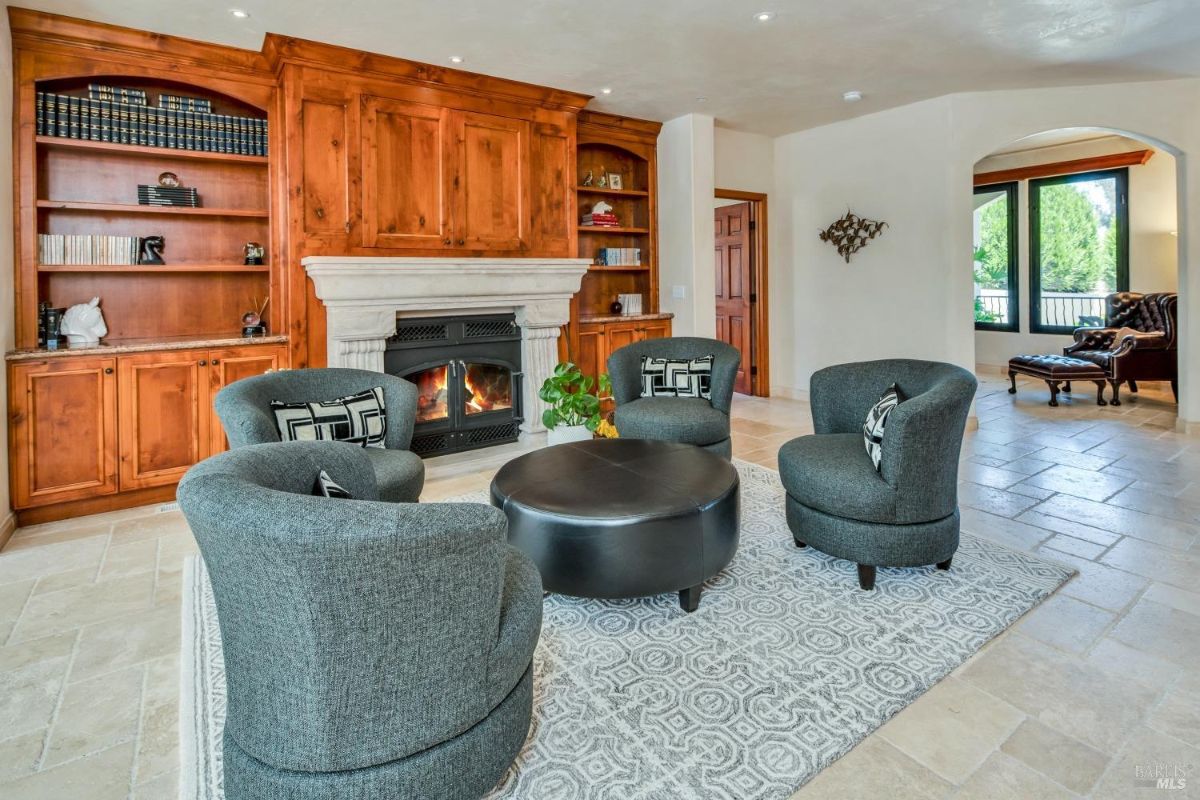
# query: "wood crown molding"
614, 123
279, 50
1130, 159
33, 29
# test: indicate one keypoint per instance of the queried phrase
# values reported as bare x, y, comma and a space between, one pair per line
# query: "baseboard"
8, 526
790, 393
983, 369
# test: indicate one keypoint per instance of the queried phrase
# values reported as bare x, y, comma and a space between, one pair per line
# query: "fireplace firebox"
467, 371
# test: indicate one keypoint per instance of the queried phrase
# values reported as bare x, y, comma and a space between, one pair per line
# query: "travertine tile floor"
1091, 694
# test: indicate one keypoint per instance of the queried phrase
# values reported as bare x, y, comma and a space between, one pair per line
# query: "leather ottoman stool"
1055, 370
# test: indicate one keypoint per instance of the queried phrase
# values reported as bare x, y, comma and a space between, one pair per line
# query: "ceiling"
665, 58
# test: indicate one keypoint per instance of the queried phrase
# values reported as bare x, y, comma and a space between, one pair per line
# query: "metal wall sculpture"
851, 234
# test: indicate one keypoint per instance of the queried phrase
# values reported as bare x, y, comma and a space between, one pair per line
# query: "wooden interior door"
405, 194
164, 415
228, 366
491, 182
63, 414
734, 268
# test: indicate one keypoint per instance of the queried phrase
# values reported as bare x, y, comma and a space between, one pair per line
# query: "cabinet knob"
216, 361
108, 370
461, 242
202, 362
445, 241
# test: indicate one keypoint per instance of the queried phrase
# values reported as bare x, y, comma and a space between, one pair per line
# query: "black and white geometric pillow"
356, 418
327, 487
663, 377
877, 419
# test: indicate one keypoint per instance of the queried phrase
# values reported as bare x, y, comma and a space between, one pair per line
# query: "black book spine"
265, 127
160, 127
40, 112
144, 136
189, 130
172, 131
89, 120
73, 117
106, 120
63, 125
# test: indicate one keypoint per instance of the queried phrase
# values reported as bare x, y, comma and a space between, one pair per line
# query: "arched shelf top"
224, 100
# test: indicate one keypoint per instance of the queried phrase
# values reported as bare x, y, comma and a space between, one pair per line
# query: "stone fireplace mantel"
364, 295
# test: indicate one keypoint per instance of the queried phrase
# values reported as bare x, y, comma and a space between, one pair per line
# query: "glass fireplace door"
433, 393
488, 387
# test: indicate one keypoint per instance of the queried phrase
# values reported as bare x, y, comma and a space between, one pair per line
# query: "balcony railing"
1058, 309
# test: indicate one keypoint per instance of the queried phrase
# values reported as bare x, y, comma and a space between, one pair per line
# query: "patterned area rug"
785, 666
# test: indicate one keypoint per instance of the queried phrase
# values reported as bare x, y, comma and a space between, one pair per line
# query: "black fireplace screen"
467, 371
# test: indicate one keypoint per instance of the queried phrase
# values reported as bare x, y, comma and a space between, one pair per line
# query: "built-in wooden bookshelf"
90, 187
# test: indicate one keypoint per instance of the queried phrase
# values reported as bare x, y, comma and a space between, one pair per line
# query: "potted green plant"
574, 411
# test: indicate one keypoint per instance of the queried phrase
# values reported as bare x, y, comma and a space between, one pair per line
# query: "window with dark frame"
1079, 247
995, 257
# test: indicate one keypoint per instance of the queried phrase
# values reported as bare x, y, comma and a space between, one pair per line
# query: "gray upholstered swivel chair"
245, 411
372, 650
689, 420
904, 515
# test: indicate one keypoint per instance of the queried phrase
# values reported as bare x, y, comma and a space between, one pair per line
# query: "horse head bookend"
83, 324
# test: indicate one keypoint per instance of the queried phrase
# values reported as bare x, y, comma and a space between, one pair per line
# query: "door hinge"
754, 370
753, 224
753, 297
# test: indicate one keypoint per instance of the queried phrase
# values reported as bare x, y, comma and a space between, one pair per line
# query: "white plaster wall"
907, 293
746, 162
1153, 262
685, 224
7, 331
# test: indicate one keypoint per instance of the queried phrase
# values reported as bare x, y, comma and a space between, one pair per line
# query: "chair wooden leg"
945, 564
1175, 388
1100, 401
1012, 377
866, 577
1133, 386
1116, 393
1067, 387
1053, 392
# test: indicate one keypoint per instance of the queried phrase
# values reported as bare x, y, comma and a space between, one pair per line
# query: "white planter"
561, 434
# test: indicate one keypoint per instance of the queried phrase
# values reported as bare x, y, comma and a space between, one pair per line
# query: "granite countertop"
119, 346
625, 317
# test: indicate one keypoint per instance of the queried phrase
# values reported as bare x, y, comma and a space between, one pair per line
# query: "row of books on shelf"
619, 257
167, 196
607, 220
88, 249
130, 123
137, 97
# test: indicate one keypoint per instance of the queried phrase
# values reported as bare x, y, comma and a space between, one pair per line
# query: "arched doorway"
1060, 219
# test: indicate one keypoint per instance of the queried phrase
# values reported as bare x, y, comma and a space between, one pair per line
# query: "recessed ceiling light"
456, 59
701, 99
764, 16
852, 96
239, 13
606, 90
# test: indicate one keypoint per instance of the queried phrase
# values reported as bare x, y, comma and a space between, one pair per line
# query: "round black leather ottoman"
622, 517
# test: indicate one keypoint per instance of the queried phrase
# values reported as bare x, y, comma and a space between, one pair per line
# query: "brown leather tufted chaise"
1149, 354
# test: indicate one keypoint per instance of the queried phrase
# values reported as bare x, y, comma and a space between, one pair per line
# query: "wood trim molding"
1130, 159
614, 123
8, 526
761, 310
279, 50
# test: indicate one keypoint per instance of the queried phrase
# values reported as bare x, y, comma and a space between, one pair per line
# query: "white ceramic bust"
84, 324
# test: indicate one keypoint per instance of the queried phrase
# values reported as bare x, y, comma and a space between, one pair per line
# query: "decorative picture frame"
614, 181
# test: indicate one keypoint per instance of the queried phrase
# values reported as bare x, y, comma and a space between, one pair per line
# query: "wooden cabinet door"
63, 423
233, 364
592, 354
655, 329
406, 194
323, 154
490, 182
164, 415
621, 334
552, 188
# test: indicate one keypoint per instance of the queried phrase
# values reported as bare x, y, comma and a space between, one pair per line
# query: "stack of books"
120, 115
87, 249
631, 304
608, 220
167, 196
619, 257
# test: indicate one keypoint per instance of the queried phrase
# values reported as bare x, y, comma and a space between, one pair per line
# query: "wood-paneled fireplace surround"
369, 157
